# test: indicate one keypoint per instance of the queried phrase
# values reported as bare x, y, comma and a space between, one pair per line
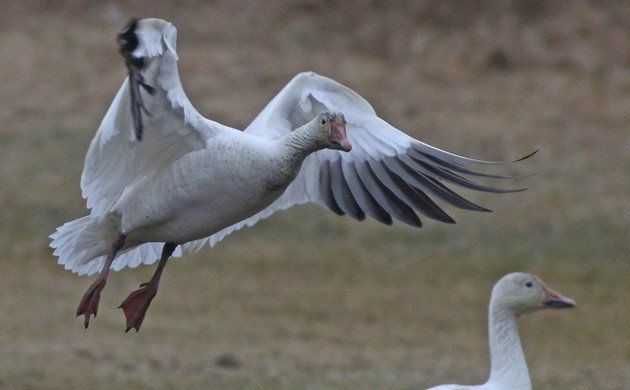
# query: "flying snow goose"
160, 179
514, 294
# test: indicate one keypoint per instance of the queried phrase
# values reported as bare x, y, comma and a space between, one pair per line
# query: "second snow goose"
160, 179
514, 294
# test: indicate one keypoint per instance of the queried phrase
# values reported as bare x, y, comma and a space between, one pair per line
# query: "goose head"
524, 293
331, 128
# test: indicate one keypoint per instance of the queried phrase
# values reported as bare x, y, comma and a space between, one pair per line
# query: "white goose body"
192, 181
514, 294
208, 190
160, 179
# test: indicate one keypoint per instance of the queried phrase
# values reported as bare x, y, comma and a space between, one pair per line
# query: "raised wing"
387, 175
117, 158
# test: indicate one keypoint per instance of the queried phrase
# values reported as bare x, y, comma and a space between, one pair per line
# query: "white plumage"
191, 181
180, 144
514, 294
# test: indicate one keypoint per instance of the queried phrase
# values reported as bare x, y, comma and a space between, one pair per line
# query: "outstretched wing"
117, 158
387, 175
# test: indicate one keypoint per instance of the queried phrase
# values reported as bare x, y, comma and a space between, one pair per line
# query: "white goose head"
331, 129
524, 293
514, 294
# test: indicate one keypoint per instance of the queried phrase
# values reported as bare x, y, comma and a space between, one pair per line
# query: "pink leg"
89, 302
136, 305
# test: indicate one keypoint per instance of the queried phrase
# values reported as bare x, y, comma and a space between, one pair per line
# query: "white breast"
205, 191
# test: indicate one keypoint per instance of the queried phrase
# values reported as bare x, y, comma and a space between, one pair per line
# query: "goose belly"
200, 196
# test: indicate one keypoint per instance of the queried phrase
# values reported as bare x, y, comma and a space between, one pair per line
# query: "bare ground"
307, 299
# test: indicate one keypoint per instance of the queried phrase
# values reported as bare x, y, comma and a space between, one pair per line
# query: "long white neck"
508, 365
303, 141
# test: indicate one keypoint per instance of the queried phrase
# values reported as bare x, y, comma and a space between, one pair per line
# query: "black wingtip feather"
462, 181
528, 156
149, 89
404, 167
127, 38
417, 199
128, 41
398, 208
416, 154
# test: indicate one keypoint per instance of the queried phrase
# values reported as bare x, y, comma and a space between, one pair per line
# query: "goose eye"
323, 121
528, 284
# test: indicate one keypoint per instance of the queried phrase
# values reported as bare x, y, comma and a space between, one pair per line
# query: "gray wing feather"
385, 197
342, 193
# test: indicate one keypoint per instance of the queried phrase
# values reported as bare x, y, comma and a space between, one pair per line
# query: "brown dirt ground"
307, 299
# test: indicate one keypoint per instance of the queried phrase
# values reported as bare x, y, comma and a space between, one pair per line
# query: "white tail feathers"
83, 244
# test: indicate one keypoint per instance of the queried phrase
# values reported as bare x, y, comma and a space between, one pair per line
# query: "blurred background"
307, 299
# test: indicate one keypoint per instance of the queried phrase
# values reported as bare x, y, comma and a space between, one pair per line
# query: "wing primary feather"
128, 41
446, 164
150, 90
136, 106
325, 190
341, 192
462, 181
427, 183
456, 158
363, 197
416, 199
385, 197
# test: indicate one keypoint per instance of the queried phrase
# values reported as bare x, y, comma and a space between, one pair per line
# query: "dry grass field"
307, 299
